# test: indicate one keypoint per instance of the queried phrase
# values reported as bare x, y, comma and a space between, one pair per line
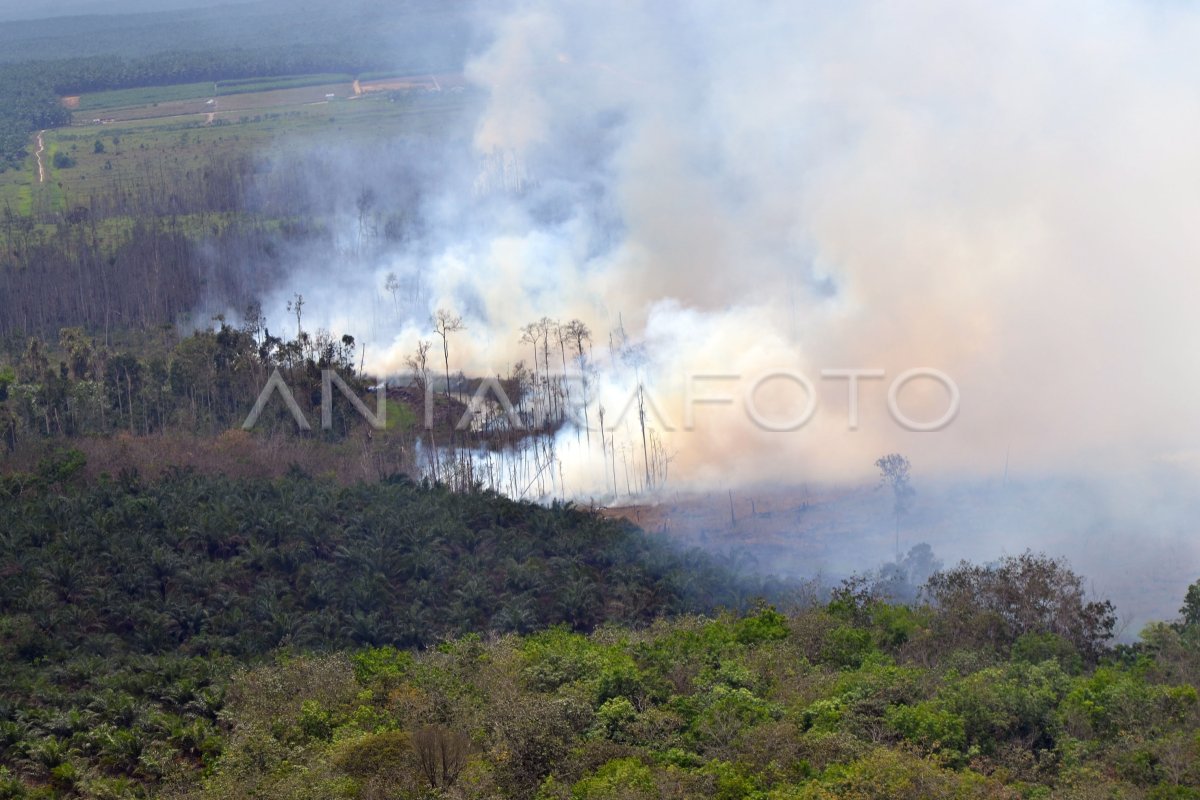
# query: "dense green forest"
125, 603
851, 700
202, 637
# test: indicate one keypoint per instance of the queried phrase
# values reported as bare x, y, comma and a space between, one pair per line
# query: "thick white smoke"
1004, 192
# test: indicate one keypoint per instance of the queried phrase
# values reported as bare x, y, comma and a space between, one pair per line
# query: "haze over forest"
555, 400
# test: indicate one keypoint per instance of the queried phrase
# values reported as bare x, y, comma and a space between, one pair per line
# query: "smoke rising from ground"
1003, 192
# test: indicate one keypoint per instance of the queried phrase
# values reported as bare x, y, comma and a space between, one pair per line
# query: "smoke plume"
1004, 192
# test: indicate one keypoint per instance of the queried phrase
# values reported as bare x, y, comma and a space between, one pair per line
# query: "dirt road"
41, 148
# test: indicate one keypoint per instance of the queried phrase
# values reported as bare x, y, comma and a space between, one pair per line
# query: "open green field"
179, 145
219, 106
17, 188
249, 85
146, 96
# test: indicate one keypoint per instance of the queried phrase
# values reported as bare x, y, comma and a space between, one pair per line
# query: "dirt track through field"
41, 148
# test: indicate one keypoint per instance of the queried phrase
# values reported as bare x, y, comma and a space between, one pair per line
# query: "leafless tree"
418, 362
442, 754
392, 284
894, 471
445, 323
296, 306
579, 335
636, 357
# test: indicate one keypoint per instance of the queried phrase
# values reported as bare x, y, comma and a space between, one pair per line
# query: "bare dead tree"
444, 324
546, 327
635, 357
418, 362
604, 453
894, 472
391, 284
442, 754
365, 202
531, 335
579, 335
296, 306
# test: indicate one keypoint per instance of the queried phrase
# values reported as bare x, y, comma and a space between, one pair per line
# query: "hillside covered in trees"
200, 637
124, 604
854, 699
195, 606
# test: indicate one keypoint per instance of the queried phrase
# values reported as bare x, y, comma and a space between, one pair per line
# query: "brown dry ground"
236, 453
443, 81
799, 530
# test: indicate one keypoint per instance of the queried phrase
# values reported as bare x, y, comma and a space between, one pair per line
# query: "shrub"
994, 606
847, 647
896, 775
767, 625
620, 779
375, 754
930, 726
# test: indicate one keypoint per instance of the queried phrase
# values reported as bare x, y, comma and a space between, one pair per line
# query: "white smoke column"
1005, 192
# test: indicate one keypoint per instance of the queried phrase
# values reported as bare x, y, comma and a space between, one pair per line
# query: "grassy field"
219, 106
251, 85
147, 96
180, 138
17, 188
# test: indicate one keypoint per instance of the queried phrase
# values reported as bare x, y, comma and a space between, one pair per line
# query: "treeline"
28, 103
100, 73
205, 383
413, 29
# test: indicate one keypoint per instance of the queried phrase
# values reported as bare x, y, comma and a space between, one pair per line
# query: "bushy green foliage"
125, 602
383, 664
996, 606
929, 726
202, 638
767, 625
560, 715
619, 779
747, 725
